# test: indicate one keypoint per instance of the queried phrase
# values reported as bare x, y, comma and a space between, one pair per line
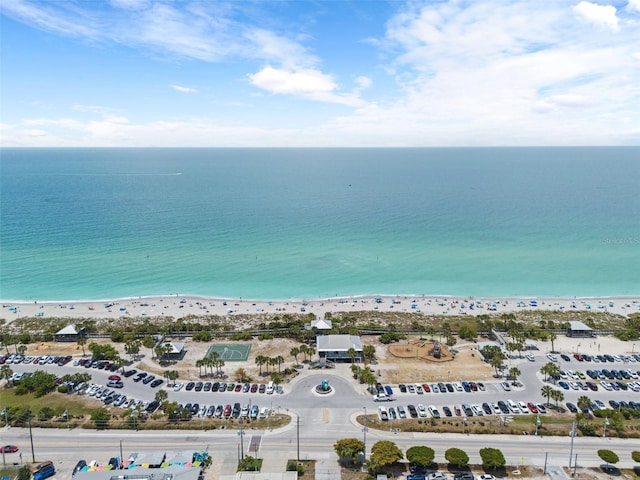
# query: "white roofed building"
336, 347
70, 333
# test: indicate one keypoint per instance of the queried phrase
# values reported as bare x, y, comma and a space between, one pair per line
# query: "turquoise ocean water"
307, 223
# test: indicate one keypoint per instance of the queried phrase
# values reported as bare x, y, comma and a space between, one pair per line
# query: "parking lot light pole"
538, 422
573, 434
241, 433
604, 431
364, 433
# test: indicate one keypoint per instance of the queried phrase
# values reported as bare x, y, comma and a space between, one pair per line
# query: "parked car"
463, 476
436, 476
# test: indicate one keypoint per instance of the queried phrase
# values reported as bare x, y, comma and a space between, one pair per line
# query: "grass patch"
552, 425
58, 402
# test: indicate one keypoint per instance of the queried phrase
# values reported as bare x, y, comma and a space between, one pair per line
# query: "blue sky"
319, 73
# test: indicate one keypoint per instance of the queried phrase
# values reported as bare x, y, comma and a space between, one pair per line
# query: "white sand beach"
179, 306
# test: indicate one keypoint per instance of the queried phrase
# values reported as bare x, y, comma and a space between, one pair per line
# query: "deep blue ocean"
307, 223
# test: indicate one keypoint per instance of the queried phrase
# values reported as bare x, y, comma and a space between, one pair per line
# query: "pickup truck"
381, 397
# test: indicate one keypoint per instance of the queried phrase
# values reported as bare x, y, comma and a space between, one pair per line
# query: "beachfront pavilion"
335, 348
70, 333
321, 325
578, 329
175, 350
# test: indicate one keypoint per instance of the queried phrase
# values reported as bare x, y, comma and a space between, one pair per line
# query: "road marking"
326, 415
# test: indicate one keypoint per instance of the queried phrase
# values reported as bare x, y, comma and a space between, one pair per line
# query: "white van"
264, 413
513, 406
270, 388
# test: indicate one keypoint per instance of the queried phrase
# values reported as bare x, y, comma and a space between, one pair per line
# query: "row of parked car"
239, 387
604, 358
501, 407
441, 387
600, 405
44, 360
227, 411
419, 472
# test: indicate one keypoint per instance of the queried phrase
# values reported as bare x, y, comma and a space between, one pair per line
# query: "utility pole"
544, 471
573, 434
298, 436
241, 441
121, 456
364, 432
6, 420
33, 453
604, 431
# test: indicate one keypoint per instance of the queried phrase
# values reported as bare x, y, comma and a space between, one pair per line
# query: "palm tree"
557, 396
368, 377
547, 391
515, 372
172, 376
6, 372
583, 402
311, 351
218, 364
550, 370
260, 360
161, 395
131, 347
22, 349
279, 361
351, 353
304, 349
496, 361
6, 341
295, 351
552, 337
200, 364
369, 351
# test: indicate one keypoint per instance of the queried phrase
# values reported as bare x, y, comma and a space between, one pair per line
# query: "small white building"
320, 324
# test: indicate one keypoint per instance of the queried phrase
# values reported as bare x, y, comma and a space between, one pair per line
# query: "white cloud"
304, 82
598, 14
633, 5
454, 73
130, 4
182, 89
363, 82
308, 83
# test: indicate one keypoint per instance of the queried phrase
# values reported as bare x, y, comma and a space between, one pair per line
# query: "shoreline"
178, 306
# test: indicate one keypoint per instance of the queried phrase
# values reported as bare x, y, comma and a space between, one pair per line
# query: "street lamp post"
604, 430
6, 419
464, 423
573, 434
33, 453
241, 433
364, 433
538, 422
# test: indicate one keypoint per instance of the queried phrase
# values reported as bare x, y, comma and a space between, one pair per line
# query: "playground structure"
430, 350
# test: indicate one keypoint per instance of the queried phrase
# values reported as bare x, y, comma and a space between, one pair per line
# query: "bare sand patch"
429, 350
